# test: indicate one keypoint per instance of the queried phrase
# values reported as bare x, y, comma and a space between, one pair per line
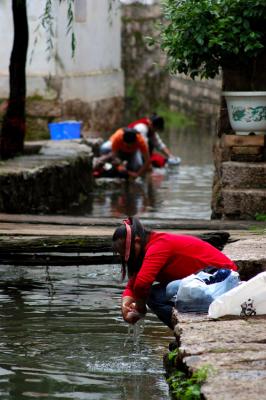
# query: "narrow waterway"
182, 191
62, 335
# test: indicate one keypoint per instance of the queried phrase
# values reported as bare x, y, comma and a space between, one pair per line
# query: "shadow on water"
71, 342
174, 192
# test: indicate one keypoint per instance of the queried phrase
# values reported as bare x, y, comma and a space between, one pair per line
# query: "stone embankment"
232, 349
239, 185
48, 177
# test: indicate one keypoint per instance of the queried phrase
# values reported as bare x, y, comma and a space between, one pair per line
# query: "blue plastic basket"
65, 130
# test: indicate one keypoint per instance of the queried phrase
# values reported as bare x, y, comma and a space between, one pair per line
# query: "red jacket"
169, 257
145, 121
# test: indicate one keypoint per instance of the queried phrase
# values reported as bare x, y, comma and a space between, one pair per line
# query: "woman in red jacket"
149, 257
149, 128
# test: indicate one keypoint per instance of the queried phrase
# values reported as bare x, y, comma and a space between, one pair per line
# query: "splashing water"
134, 334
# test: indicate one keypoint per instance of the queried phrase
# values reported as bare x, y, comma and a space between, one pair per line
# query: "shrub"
201, 37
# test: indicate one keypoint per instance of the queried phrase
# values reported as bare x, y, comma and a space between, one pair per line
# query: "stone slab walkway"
247, 242
234, 351
19, 224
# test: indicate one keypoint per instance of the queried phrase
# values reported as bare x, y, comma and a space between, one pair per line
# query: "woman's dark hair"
137, 229
130, 135
157, 122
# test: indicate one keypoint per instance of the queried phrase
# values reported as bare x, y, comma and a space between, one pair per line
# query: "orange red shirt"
118, 143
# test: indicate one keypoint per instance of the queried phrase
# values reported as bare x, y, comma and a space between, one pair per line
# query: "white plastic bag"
194, 295
247, 299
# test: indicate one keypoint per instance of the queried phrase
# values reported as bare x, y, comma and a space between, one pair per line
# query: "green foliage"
47, 22
260, 217
257, 230
134, 98
39, 134
188, 388
173, 119
202, 36
172, 355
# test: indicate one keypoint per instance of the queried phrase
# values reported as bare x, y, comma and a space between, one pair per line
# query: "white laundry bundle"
249, 298
196, 292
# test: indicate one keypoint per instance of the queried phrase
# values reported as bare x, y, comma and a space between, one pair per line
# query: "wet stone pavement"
234, 351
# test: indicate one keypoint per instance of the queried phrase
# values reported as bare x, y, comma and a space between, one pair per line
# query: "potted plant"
247, 111
208, 37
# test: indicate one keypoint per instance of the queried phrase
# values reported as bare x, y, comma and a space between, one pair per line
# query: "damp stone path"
233, 351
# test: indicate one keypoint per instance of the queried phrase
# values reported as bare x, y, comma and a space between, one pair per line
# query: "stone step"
243, 203
243, 175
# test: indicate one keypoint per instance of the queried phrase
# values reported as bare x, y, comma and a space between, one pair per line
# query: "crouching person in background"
126, 148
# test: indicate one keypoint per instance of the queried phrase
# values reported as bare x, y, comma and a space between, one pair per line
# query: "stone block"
44, 109
247, 157
243, 175
100, 116
220, 153
247, 153
243, 204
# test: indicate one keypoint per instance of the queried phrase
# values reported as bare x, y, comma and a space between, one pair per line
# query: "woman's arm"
160, 145
144, 168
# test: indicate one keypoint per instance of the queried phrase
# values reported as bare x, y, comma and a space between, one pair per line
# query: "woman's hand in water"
132, 317
129, 310
132, 174
126, 306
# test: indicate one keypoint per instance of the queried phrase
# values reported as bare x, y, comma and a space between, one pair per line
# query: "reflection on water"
63, 337
174, 192
179, 192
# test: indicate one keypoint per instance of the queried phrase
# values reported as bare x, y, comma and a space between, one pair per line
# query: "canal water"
182, 191
62, 335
